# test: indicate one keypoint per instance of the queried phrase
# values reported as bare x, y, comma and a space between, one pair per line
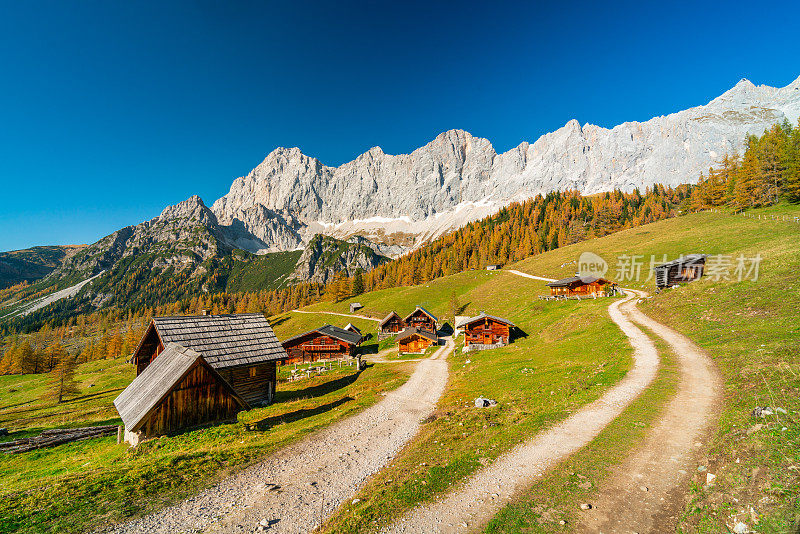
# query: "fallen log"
56, 436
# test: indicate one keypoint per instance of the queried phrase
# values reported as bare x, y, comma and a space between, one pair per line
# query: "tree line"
767, 172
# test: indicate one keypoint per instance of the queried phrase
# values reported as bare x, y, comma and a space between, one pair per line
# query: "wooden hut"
486, 331
179, 389
354, 329
391, 324
587, 286
421, 319
415, 341
325, 343
684, 269
355, 306
242, 348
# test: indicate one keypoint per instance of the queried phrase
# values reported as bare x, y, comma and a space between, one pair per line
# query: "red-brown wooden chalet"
327, 342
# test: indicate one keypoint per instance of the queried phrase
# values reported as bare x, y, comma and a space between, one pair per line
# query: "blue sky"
111, 110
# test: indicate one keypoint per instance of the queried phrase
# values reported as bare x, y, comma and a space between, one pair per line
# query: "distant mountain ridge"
457, 178
381, 205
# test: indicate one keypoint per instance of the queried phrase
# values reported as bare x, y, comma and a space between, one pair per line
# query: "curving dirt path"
298, 487
354, 316
646, 493
475, 502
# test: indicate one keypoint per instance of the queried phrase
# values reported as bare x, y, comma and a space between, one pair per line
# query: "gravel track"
475, 502
355, 316
298, 487
646, 493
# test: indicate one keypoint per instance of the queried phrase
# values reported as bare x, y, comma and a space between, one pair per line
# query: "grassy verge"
568, 354
77, 486
557, 495
751, 329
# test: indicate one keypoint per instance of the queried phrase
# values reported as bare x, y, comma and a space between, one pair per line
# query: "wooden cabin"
494, 267
412, 340
354, 329
391, 324
177, 390
421, 319
355, 306
486, 331
325, 343
587, 286
684, 269
242, 348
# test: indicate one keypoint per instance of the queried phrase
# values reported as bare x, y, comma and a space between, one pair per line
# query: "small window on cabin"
252, 372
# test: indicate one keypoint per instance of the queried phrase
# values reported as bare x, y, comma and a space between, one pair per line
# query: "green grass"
433, 296
569, 353
77, 486
556, 495
752, 331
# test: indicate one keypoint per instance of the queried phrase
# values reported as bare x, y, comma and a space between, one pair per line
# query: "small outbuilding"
325, 343
176, 391
586, 286
422, 320
493, 267
685, 269
486, 331
355, 306
412, 340
391, 324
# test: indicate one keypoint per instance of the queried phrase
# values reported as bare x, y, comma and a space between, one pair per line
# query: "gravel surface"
474, 503
646, 493
355, 316
302, 484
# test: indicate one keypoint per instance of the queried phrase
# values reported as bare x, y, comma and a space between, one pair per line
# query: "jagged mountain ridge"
457, 178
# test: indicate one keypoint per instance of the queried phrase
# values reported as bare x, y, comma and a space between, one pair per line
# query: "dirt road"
301, 485
351, 315
474, 503
646, 493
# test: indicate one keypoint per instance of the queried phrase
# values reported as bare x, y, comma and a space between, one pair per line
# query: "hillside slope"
32, 264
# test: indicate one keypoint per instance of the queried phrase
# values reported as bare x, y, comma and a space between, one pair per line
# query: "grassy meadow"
752, 331
77, 486
567, 354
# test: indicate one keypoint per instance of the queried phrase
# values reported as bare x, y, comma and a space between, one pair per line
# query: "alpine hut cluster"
198, 370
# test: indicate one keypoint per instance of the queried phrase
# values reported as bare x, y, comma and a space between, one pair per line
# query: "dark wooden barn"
391, 324
176, 391
325, 343
587, 286
242, 348
412, 340
486, 331
421, 319
684, 269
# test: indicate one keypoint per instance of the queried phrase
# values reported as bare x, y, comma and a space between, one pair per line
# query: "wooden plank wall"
197, 399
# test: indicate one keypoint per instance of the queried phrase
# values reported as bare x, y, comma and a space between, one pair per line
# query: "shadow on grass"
269, 422
318, 390
93, 395
372, 348
275, 322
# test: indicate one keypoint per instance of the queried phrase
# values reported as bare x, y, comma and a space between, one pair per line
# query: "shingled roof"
426, 312
688, 260
224, 341
408, 332
388, 317
480, 317
332, 331
575, 279
148, 389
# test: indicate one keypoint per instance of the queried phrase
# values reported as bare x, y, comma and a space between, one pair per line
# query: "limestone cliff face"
457, 178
